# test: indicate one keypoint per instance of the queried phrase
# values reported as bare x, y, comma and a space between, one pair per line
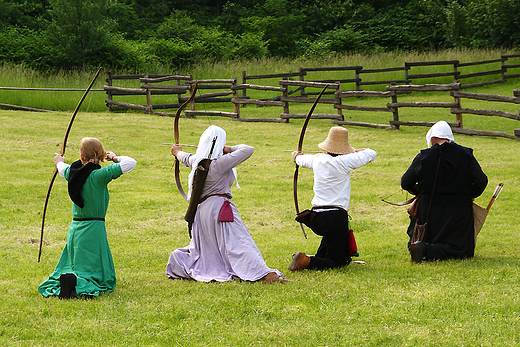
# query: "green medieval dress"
87, 253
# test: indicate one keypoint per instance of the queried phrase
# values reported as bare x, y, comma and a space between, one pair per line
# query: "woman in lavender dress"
219, 250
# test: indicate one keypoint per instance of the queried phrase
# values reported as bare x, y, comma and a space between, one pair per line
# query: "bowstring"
88, 106
173, 128
204, 106
398, 192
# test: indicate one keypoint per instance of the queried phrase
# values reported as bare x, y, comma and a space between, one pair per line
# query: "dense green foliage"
134, 34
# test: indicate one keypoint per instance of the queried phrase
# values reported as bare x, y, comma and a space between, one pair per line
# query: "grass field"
387, 302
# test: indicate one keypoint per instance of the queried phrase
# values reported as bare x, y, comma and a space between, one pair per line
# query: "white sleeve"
358, 159
305, 160
184, 158
127, 163
61, 166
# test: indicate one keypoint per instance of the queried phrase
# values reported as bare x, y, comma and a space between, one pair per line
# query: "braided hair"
92, 150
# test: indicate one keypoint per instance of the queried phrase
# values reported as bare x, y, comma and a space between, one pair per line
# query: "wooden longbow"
176, 135
62, 152
300, 146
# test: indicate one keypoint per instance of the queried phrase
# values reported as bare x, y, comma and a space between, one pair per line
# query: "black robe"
450, 231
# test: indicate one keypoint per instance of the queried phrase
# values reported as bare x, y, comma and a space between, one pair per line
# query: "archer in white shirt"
329, 217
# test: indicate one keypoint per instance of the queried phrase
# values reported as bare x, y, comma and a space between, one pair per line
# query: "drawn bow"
176, 135
62, 152
300, 146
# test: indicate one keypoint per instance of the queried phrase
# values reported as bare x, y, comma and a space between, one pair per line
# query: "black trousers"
333, 251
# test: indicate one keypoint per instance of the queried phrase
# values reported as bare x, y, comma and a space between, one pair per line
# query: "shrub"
249, 45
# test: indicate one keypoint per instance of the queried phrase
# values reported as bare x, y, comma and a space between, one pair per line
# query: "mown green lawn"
387, 302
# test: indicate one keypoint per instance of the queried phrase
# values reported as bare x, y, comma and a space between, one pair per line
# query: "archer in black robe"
450, 230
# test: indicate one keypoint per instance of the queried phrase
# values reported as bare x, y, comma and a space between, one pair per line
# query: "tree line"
133, 35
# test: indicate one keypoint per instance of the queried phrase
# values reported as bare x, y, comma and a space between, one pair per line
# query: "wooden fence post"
503, 67
178, 95
192, 102
337, 101
458, 116
455, 74
236, 106
244, 81
285, 95
395, 110
358, 80
149, 107
109, 92
302, 78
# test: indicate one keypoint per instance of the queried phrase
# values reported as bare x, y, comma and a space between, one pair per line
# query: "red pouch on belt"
226, 213
352, 246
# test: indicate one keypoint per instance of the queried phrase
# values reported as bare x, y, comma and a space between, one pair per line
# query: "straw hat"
337, 142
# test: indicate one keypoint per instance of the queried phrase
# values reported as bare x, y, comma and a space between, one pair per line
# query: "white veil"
203, 149
441, 130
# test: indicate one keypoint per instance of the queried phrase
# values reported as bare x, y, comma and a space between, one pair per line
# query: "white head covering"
442, 130
204, 147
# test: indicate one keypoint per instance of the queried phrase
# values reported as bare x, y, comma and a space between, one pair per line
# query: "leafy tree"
181, 41
249, 45
127, 21
179, 25
456, 27
23, 13
322, 16
80, 30
136, 33
494, 23
273, 21
408, 27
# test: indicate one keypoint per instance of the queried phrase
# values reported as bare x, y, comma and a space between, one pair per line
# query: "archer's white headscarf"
204, 147
442, 130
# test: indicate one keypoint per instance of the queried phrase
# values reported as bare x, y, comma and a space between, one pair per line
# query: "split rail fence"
347, 82
455, 107
112, 91
334, 96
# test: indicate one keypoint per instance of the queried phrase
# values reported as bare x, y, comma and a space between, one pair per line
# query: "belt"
85, 219
314, 208
207, 196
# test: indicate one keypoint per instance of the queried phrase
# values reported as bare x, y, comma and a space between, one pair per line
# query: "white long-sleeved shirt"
127, 165
331, 175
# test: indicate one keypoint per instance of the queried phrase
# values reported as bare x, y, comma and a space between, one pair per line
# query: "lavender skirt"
218, 251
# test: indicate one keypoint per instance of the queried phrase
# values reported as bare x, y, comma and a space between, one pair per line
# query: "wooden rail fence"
245, 100
356, 80
287, 88
228, 89
304, 99
455, 107
357, 94
276, 77
489, 98
112, 91
395, 105
346, 75
227, 95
